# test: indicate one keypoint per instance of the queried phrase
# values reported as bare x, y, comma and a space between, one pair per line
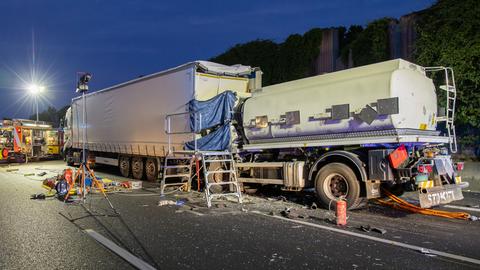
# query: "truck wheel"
124, 165
337, 180
137, 168
151, 169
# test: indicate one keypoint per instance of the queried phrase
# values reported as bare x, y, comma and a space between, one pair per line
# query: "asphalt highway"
48, 234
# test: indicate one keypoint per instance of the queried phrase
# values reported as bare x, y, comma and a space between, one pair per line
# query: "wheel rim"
150, 168
124, 165
335, 186
137, 167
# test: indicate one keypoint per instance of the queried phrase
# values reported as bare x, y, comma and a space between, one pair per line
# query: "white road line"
463, 208
129, 257
381, 240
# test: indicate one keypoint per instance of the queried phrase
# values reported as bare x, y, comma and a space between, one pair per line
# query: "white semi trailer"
125, 122
346, 133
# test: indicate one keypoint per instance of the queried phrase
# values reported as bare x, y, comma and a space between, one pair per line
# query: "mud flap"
440, 195
373, 189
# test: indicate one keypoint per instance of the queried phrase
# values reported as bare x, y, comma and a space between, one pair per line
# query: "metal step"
175, 167
221, 183
178, 158
177, 175
218, 160
224, 194
222, 171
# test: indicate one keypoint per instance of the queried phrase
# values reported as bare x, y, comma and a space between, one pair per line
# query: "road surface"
48, 234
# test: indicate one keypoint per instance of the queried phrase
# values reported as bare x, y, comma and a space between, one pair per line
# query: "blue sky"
121, 40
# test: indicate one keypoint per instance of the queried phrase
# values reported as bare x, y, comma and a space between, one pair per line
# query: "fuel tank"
391, 95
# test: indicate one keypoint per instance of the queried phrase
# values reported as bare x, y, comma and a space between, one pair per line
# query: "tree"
51, 115
257, 53
282, 62
448, 36
370, 45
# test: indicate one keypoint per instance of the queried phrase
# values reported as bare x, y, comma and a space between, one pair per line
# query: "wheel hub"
337, 186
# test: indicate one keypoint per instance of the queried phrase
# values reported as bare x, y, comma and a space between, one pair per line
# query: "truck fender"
345, 155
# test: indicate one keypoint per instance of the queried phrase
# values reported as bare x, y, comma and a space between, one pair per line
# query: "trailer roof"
205, 66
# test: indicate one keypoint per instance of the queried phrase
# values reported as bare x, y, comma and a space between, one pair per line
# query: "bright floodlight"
35, 89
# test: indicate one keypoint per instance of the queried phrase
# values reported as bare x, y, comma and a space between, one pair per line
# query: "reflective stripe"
426, 184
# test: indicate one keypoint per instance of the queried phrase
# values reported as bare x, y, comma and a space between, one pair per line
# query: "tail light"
425, 168
459, 166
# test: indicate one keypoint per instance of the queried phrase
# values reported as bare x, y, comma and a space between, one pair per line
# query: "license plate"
440, 195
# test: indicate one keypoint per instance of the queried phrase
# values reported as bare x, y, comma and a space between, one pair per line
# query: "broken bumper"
441, 195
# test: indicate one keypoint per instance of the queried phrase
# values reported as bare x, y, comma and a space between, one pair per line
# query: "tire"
137, 168
151, 169
124, 166
335, 180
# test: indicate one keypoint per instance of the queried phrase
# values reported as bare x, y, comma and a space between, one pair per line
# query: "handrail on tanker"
169, 132
450, 89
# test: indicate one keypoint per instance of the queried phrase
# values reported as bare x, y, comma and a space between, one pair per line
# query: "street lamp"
36, 90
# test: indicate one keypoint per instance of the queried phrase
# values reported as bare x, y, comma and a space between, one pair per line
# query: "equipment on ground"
84, 172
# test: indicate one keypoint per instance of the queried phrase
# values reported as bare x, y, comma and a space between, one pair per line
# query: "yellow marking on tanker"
426, 184
458, 179
423, 126
222, 77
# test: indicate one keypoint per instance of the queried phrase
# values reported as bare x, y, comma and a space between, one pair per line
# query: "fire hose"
397, 203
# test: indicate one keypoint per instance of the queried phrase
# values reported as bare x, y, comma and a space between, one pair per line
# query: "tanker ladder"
219, 164
177, 165
451, 96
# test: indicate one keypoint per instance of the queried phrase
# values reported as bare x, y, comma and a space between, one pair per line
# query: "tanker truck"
348, 134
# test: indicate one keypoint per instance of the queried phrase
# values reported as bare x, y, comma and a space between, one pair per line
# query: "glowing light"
35, 89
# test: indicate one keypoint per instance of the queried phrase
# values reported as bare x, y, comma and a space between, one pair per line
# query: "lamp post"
36, 90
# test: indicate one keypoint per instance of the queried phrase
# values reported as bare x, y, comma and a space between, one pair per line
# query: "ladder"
451, 96
177, 165
217, 163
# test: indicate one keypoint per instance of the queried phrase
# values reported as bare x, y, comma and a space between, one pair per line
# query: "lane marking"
381, 240
129, 257
462, 208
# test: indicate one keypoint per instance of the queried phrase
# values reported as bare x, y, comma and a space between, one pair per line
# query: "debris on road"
38, 196
292, 214
368, 228
171, 202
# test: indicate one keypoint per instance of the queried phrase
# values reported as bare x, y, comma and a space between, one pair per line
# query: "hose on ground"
397, 203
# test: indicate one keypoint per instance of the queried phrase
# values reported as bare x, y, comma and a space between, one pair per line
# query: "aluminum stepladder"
226, 168
451, 93
177, 164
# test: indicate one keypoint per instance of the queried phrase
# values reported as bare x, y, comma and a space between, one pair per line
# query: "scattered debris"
166, 202
292, 214
41, 174
28, 174
368, 228
171, 202
313, 206
11, 170
220, 205
427, 252
38, 196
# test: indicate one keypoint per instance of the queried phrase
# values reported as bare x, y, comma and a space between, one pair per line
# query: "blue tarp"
217, 140
215, 111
